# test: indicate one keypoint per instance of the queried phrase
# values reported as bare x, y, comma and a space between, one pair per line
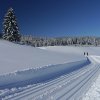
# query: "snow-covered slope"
27, 77
68, 86
14, 57
58, 73
73, 50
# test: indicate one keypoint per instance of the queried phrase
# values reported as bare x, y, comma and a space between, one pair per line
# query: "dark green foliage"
10, 27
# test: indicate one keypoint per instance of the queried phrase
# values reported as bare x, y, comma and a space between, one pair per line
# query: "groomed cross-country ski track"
57, 83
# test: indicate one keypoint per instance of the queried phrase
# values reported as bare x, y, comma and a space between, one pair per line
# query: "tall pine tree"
10, 27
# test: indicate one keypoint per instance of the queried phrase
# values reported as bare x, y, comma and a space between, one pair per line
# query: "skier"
87, 54
84, 53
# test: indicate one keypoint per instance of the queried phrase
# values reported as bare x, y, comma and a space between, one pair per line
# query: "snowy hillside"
14, 57
45, 73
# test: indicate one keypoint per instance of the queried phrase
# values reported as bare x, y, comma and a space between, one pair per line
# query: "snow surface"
94, 92
45, 73
73, 50
68, 86
39, 75
15, 57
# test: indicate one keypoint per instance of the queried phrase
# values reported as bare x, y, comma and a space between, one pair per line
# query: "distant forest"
60, 41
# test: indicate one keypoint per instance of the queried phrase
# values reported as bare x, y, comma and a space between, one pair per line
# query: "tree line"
60, 41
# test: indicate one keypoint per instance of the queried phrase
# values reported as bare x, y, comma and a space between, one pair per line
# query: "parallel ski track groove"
40, 87
86, 79
70, 85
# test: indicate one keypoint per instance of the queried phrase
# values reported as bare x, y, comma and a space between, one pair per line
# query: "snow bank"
22, 78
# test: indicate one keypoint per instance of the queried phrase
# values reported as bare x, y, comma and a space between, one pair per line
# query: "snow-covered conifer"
10, 27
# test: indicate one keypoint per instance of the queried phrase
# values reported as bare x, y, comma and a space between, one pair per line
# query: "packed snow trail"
70, 86
40, 75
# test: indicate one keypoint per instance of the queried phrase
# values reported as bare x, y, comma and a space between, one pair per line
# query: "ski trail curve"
70, 86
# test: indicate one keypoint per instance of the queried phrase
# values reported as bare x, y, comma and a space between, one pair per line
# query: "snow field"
68, 86
15, 57
46, 73
31, 76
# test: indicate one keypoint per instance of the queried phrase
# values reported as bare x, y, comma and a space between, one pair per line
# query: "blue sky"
55, 18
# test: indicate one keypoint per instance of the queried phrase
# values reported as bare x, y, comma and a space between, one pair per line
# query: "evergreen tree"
10, 27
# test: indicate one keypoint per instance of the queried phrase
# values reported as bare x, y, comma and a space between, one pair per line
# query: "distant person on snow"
84, 53
87, 54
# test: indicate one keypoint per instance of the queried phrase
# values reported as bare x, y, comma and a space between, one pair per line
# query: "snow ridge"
38, 75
